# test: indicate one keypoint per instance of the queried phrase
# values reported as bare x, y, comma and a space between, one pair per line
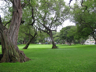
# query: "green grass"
75, 58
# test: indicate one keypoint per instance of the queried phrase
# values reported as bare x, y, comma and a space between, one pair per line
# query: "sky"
1, 4
66, 23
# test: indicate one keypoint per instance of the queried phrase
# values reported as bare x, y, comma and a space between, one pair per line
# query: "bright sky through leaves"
66, 23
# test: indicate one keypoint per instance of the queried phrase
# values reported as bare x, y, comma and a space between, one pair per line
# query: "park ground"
75, 58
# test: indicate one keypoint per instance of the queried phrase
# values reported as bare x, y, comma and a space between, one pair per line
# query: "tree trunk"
95, 41
53, 43
26, 47
10, 51
94, 38
28, 43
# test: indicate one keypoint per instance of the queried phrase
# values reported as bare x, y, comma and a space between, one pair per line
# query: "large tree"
9, 36
51, 14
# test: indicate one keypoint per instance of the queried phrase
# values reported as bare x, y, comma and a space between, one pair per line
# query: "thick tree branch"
8, 22
87, 24
32, 17
43, 30
28, 34
44, 24
54, 20
84, 5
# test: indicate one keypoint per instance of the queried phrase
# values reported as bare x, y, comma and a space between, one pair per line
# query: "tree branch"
28, 34
32, 17
24, 4
1, 26
43, 30
84, 5
8, 22
54, 20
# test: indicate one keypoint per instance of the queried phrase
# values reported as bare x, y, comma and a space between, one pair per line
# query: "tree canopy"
68, 34
84, 17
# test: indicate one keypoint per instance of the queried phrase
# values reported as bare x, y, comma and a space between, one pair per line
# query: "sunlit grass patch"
75, 58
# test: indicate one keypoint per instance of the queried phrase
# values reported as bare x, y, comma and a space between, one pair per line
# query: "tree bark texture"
53, 43
10, 51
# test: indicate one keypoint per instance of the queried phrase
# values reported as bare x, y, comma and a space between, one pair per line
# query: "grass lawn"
75, 58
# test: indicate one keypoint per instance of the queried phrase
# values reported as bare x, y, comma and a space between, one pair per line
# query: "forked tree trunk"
53, 43
10, 51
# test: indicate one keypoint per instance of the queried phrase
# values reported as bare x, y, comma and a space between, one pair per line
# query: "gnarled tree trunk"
10, 51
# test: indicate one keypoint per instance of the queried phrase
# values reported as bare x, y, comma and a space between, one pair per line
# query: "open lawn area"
75, 58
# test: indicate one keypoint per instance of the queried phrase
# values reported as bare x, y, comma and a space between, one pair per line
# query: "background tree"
68, 34
27, 34
51, 14
41, 38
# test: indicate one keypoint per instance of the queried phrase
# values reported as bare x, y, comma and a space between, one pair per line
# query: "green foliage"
41, 37
84, 16
68, 33
51, 13
56, 36
25, 32
75, 58
6, 12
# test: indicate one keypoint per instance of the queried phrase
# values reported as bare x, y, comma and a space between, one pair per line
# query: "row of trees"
67, 35
29, 16
35, 19
83, 14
